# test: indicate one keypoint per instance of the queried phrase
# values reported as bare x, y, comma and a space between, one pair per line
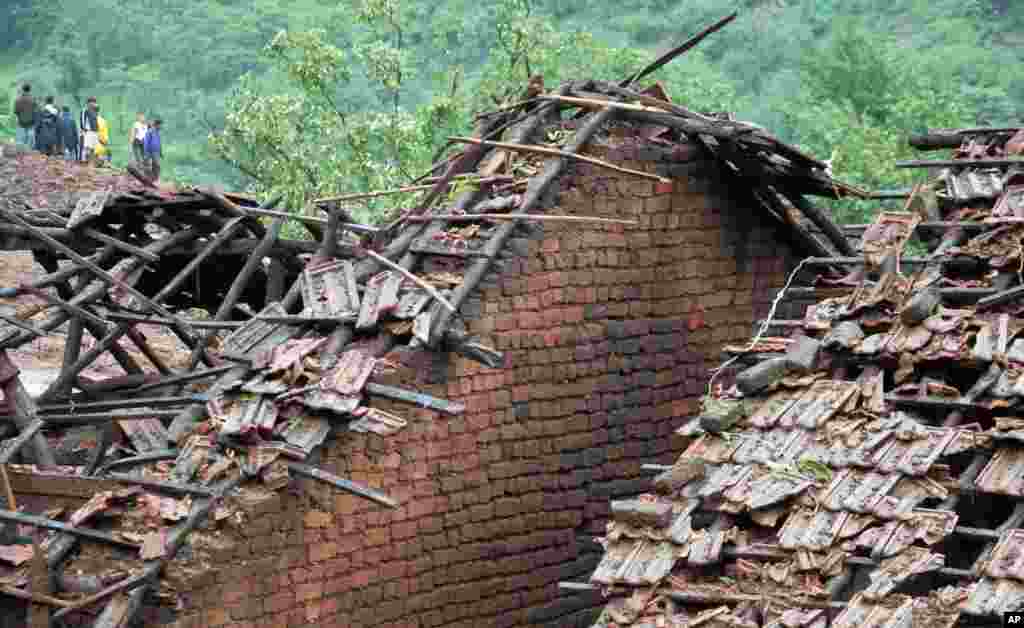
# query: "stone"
803, 354
762, 375
920, 306
846, 335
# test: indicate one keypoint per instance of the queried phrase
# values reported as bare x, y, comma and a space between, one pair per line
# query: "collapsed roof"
182, 449
865, 469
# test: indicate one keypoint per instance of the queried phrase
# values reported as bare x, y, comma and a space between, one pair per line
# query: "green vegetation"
311, 97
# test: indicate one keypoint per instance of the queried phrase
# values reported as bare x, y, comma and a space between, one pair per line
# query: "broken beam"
1002, 297
341, 483
51, 524
179, 488
9, 449
960, 163
103, 417
941, 225
117, 404
417, 398
933, 403
150, 320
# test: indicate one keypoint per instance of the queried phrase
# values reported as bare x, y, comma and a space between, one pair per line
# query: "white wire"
765, 325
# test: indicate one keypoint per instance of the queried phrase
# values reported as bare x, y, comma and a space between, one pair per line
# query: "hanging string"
765, 325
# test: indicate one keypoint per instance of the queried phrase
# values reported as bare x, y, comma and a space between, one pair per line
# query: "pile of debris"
177, 452
866, 469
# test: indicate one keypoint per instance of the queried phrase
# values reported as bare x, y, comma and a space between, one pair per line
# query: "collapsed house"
412, 427
862, 467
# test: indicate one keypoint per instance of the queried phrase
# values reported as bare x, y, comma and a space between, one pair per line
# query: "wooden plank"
57, 485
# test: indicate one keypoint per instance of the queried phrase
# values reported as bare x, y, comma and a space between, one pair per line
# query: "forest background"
309, 98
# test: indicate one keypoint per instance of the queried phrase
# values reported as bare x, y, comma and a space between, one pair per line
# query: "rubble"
888, 475
166, 458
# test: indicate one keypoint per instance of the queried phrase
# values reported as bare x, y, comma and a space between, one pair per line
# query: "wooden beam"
59, 485
526, 217
51, 524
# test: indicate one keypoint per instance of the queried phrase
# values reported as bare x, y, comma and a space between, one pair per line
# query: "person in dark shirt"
153, 149
48, 128
69, 134
25, 112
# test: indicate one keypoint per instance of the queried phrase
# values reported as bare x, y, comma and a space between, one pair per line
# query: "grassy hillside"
843, 78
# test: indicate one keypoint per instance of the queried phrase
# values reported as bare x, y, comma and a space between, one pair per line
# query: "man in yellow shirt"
103, 130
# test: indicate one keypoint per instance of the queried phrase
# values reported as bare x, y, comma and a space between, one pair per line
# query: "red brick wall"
606, 357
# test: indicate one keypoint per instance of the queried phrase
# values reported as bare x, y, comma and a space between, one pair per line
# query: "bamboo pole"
554, 152
599, 103
366, 195
533, 217
313, 220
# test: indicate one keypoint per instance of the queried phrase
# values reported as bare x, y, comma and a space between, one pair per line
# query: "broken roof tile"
1004, 473
330, 291
1007, 557
812, 530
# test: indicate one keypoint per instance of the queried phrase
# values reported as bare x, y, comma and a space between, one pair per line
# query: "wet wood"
10, 449
131, 249
51, 524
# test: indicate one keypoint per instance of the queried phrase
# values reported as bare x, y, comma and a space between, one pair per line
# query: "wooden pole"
960, 163
528, 217
239, 284
367, 195
554, 152
312, 220
12, 504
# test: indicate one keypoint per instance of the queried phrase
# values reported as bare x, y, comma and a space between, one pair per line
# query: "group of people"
53, 131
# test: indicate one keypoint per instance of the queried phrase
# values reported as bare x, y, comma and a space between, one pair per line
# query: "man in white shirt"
138, 136
88, 126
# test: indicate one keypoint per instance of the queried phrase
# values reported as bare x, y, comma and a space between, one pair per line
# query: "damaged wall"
609, 333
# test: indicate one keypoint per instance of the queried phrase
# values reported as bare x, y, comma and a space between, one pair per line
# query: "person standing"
103, 133
69, 134
48, 128
153, 150
89, 128
137, 136
25, 111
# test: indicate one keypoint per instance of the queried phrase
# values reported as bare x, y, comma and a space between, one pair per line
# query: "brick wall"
610, 333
